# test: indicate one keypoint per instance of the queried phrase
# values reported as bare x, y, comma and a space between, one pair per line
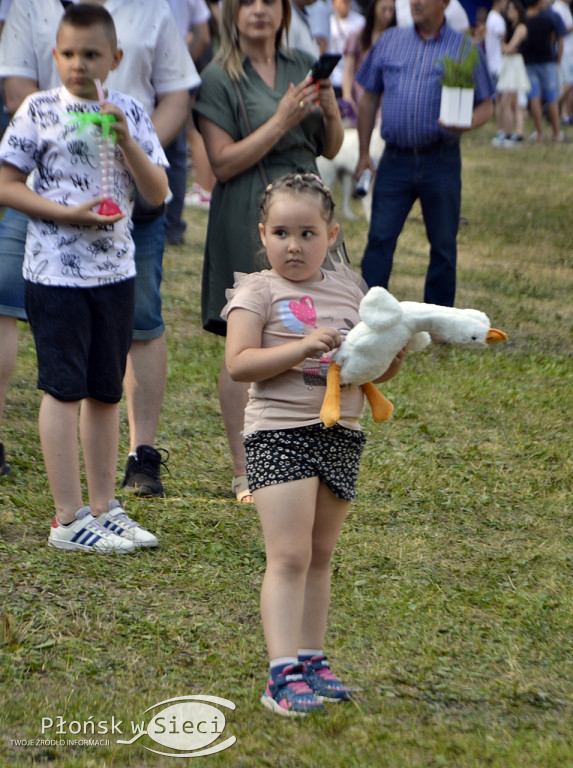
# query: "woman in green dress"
291, 121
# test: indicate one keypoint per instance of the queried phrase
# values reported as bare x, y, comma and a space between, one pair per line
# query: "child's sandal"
241, 490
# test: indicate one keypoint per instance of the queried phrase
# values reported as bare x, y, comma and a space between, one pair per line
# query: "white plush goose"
387, 326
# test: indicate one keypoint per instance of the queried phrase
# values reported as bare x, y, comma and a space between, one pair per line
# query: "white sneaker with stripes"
86, 534
117, 521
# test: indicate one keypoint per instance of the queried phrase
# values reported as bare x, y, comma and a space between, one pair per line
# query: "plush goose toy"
387, 326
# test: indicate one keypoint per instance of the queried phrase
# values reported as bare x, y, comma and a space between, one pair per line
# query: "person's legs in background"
12, 243
146, 371
392, 200
440, 196
534, 97
176, 153
233, 396
204, 178
8, 354
549, 75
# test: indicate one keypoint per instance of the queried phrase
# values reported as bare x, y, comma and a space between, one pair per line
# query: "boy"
79, 271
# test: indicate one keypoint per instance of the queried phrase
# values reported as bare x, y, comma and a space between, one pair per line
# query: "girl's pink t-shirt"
289, 311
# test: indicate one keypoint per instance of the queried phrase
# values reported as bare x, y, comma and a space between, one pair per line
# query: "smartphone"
322, 68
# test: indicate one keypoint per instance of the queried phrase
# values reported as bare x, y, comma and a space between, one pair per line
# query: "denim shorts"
149, 239
281, 456
544, 79
82, 338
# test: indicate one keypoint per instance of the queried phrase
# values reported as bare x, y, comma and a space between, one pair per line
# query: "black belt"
424, 149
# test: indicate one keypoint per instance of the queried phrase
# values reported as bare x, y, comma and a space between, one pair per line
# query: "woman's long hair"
229, 53
520, 11
365, 38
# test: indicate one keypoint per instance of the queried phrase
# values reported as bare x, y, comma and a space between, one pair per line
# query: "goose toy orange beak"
494, 336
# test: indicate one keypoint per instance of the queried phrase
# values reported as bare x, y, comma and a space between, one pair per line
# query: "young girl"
513, 77
282, 323
380, 15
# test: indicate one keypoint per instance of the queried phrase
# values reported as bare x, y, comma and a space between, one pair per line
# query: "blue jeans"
149, 239
402, 178
544, 79
149, 242
176, 153
12, 243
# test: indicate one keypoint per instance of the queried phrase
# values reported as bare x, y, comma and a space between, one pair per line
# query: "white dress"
513, 74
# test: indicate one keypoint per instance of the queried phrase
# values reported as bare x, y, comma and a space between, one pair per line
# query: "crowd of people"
529, 50
107, 101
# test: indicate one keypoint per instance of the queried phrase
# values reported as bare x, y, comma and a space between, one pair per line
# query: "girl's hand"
84, 214
320, 340
394, 367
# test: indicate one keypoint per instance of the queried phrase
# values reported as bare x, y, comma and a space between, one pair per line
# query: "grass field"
452, 601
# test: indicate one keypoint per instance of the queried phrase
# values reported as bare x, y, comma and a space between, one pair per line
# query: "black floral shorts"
281, 456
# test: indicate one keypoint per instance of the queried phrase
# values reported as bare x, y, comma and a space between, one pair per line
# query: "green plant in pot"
459, 72
458, 85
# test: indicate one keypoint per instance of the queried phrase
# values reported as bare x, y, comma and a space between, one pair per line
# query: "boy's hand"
120, 127
85, 214
321, 340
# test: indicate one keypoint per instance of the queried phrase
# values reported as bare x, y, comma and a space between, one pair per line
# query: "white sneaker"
119, 523
198, 198
499, 139
85, 534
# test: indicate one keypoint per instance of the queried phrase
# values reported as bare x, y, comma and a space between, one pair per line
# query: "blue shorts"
544, 79
82, 338
149, 239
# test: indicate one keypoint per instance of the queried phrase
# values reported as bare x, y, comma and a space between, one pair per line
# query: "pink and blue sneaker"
324, 683
289, 694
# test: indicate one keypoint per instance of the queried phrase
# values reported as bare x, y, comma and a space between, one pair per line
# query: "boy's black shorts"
82, 338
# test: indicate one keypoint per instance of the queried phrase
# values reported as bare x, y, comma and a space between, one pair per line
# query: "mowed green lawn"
452, 610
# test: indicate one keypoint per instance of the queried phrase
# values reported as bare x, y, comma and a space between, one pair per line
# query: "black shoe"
142, 472
4, 468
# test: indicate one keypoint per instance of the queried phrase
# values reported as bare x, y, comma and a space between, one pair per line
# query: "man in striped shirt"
422, 157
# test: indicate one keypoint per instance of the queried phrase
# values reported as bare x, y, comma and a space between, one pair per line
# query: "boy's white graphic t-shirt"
289, 311
67, 162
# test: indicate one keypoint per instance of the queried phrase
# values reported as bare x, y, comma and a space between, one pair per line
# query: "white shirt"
563, 9
340, 31
68, 163
495, 30
319, 14
300, 35
155, 59
4, 8
455, 14
189, 13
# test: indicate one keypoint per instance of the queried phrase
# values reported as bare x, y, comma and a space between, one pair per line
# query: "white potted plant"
456, 106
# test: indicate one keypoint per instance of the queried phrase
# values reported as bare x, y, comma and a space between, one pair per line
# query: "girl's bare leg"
287, 515
301, 523
329, 517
